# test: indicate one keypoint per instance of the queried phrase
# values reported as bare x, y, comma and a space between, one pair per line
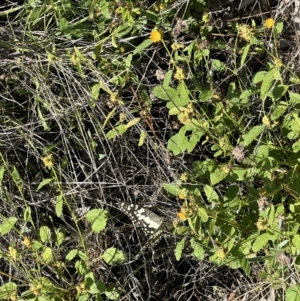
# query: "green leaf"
296, 146
178, 143
172, 189
123, 29
143, 137
202, 214
7, 225
259, 77
132, 122
167, 79
183, 95
98, 218
16, 177
294, 97
44, 183
260, 242
63, 24
296, 241
278, 28
47, 255
198, 250
217, 176
245, 265
91, 284
145, 44
266, 84
7, 290
1, 173
293, 293
211, 195
118, 130
45, 234
113, 256
60, 236
165, 93
27, 214
252, 134
194, 139
217, 65
245, 53
278, 91
59, 205
179, 248
71, 255
112, 293
279, 110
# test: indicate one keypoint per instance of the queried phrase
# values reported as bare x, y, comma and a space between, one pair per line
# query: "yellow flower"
227, 168
27, 242
245, 32
266, 121
48, 161
179, 74
269, 23
182, 216
155, 36
13, 253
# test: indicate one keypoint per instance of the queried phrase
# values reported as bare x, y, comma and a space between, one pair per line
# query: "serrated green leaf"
252, 134
245, 265
165, 93
179, 248
260, 242
279, 110
293, 293
294, 97
217, 65
217, 176
202, 214
172, 189
198, 250
7, 225
7, 290
177, 144
296, 241
193, 141
47, 255
266, 84
211, 195
45, 234
113, 256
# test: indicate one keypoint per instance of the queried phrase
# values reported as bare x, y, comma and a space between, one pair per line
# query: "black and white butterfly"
142, 217
151, 224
